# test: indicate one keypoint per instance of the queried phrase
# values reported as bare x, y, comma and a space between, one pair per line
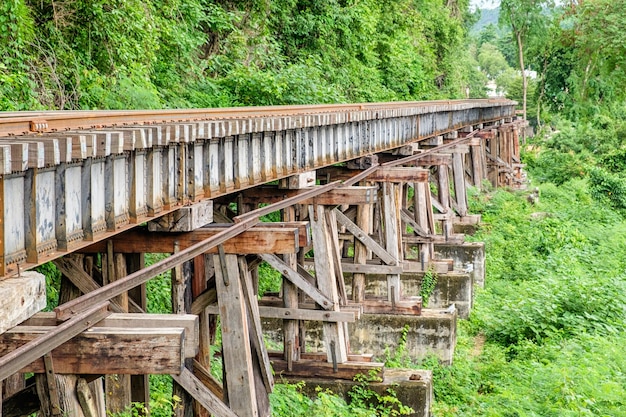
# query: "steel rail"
19, 123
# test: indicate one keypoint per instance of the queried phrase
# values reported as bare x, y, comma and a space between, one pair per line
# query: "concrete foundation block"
452, 288
432, 333
468, 257
414, 388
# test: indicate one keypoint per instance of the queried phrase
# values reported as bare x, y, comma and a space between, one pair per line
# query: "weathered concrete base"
452, 288
469, 256
414, 388
21, 297
432, 333
466, 225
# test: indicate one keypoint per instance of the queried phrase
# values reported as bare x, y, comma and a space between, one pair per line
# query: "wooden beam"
399, 174
18, 358
237, 352
261, 239
320, 356
204, 300
406, 217
189, 322
343, 195
85, 283
298, 280
269, 312
409, 306
244, 222
370, 268
254, 322
318, 369
335, 337
204, 376
385, 256
21, 297
202, 394
105, 350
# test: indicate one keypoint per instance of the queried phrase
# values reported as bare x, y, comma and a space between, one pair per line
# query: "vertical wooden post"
393, 243
181, 304
237, 354
363, 220
57, 393
291, 328
423, 215
116, 387
139, 384
458, 172
334, 334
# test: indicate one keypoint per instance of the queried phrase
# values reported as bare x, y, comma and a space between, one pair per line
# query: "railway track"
29, 122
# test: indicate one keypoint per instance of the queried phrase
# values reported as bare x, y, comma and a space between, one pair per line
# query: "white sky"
485, 4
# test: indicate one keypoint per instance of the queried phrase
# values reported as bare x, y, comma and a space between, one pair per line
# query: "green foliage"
429, 282
159, 288
289, 400
186, 53
546, 334
386, 404
53, 284
399, 358
491, 60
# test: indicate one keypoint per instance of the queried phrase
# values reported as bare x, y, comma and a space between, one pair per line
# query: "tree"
491, 60
522, 16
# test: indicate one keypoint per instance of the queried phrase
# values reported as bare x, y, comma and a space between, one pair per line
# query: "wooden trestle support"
384, 218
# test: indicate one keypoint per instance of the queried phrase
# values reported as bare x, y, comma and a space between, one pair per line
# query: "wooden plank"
342, 195
204, 376
105, 350
203, 395
318, 369
137, 278
458, 171
409, 306
21, 297
334, 334
370, 269
184, 219
391, 209
320, 356
399, 174
205, 299
301, 282
271, 312
255, 324
406, 217
434, 159
16, 359
85, 283
237, 355
189, 322
291, 328
378, 250
260, 239
363, 222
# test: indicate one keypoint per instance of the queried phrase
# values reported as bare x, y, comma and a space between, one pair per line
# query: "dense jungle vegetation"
546, 337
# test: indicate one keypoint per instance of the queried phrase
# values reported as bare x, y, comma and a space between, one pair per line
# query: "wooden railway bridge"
369, 188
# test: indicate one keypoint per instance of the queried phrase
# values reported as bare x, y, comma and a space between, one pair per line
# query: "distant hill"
487, 16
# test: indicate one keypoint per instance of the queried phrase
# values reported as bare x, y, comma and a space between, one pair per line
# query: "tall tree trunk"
520, 49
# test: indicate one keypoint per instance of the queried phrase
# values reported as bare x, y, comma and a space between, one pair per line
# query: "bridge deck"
71, 178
